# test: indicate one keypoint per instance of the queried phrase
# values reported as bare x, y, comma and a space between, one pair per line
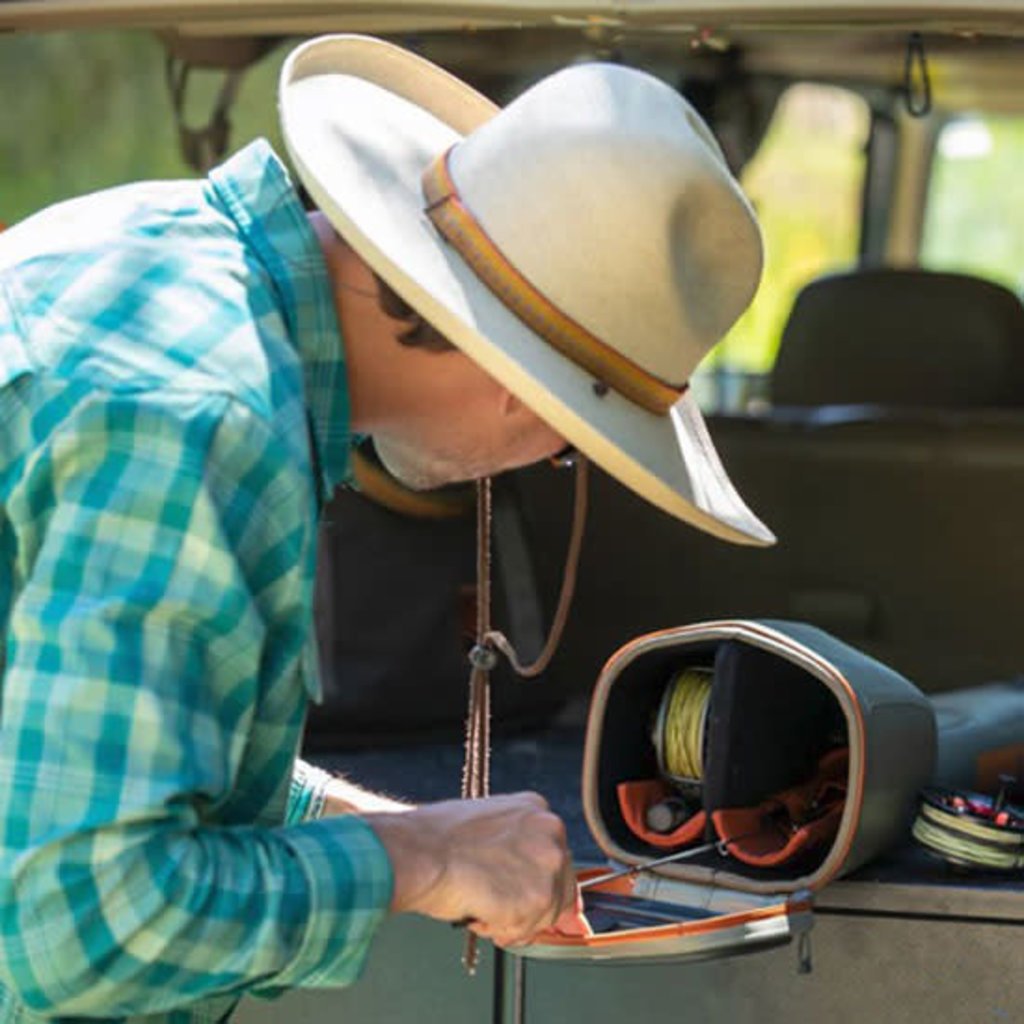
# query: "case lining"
769, 724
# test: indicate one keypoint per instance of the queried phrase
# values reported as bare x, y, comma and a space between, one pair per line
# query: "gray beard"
415, 473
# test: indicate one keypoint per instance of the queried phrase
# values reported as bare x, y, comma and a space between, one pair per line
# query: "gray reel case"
785, 697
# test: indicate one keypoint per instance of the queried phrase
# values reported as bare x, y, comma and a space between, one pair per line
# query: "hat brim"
362, 119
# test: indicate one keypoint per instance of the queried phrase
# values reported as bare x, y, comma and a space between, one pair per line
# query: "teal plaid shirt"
160, 854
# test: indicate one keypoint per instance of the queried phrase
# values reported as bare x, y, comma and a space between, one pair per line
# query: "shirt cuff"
350, 888
307, 793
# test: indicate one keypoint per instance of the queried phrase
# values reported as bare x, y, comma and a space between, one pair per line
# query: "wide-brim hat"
585, 245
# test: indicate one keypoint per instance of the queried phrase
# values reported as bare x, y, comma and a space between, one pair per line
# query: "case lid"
649, 918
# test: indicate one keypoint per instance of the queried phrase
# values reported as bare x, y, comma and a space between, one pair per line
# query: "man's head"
462, 423
585, 247
435, 416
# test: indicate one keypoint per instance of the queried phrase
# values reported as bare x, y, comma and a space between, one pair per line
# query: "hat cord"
496, 639
484, 655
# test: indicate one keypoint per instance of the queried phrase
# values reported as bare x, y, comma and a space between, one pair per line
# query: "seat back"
899, 535
892, 473
903, 338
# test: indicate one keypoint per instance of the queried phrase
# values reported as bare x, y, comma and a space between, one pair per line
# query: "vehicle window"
805, 182
974, 217
98, 113
101, 115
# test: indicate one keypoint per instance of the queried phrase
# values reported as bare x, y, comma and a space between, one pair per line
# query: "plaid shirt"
159, 346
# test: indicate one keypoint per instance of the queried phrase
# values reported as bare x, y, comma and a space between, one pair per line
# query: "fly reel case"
803, 759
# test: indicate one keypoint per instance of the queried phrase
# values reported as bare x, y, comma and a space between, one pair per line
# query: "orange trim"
465, 234
770, 637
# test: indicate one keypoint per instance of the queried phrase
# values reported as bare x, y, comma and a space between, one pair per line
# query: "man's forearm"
344, 797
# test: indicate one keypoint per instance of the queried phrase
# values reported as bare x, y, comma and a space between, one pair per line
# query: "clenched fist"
501, 862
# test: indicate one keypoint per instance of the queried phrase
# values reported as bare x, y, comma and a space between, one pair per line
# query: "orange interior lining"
792, 822
636, 797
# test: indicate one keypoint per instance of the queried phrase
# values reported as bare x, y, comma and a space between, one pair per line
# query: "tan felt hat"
586, 244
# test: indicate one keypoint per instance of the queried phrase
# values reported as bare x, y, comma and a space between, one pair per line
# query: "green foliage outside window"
974, 220
87, 110
100, 115
805, 183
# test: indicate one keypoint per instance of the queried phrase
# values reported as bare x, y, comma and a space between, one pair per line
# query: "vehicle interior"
869, 407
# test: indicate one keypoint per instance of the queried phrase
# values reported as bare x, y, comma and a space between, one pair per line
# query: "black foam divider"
769, 722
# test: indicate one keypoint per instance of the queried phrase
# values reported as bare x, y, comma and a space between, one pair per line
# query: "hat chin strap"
484, 655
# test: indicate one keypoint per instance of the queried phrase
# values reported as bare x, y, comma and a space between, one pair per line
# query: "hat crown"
588, 231
604, 188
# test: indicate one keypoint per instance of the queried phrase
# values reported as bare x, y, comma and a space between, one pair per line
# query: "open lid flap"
650, 918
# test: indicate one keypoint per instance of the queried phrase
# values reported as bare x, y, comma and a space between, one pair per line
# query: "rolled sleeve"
350, 884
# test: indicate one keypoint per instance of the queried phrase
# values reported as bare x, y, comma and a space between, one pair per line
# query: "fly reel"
969, 830
679, 736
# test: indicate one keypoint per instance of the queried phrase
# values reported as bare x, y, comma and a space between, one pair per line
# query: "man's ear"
509, 405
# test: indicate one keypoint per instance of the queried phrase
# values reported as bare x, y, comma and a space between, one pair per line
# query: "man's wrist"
342, 797
415, 864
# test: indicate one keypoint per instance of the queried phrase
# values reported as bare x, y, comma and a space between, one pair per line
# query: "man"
181, 368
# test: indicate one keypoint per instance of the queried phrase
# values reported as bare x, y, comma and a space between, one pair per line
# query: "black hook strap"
917, 82
201, 148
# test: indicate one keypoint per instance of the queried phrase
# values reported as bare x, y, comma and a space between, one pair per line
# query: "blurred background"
87, 110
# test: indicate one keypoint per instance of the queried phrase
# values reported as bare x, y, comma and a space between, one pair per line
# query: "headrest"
902, 338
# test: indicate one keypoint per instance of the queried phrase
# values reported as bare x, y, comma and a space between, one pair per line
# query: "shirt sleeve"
307, 792
155, 542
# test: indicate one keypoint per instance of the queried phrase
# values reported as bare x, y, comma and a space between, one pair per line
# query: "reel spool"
969, 830
679, 736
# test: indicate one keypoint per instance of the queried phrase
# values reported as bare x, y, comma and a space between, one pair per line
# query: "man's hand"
502, 863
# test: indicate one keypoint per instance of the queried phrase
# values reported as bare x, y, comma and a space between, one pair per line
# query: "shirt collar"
259, 194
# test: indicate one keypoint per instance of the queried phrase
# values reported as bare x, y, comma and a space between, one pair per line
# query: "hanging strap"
498, 641
484, 655
202, 148
514, 565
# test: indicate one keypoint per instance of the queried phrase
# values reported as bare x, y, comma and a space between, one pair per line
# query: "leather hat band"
464, 233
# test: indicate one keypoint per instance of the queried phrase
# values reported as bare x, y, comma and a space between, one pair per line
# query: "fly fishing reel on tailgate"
969, 830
